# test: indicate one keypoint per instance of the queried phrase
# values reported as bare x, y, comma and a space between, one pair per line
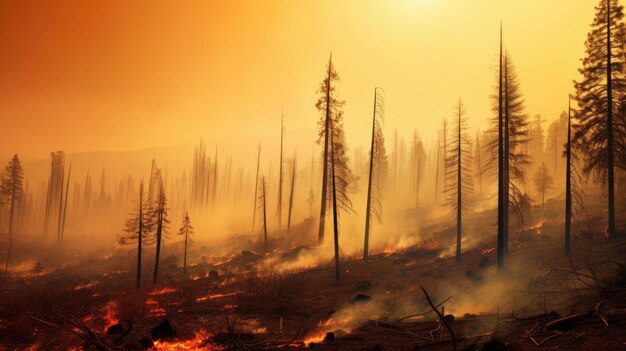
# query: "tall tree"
63, 213
568, 179
186, 230
256, 185
291, 192
508, 138
263, 208
12, 186
331, 120
458, 161
373, 200
160, 222
137, 230
281, 169
601, 97
418, 156
543, 182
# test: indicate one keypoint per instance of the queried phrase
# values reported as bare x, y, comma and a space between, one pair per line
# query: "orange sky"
119, 75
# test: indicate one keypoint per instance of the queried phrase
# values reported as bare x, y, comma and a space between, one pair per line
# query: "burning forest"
313, 175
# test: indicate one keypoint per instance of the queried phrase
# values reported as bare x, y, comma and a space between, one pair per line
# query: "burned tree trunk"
327, 138
568, 180
256, 185
501, 198
291, 192
335, 216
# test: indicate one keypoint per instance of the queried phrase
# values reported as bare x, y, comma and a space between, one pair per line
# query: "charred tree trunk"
159, 235
291, 193
67, 189
459, 189
609, 122
369, 185
327, 137
568, 180
280, 174
501, 199
264, 216
140, 236
256, 186
507, 159
335, 216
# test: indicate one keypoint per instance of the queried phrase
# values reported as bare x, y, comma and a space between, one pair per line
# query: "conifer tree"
186, 230
159, 222
137, 230
601, 100
458, 161
12, 187
543, 182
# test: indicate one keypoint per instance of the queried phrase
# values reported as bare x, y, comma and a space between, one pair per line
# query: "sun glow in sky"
120, 75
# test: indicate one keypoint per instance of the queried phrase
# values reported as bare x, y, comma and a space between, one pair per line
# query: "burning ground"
287, 297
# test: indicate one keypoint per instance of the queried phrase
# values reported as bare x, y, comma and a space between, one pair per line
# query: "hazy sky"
118, 75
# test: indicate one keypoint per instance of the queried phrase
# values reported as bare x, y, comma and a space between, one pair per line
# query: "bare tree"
374, 204
291, 192
158, 220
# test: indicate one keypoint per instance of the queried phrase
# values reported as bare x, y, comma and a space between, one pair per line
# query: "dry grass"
270, 289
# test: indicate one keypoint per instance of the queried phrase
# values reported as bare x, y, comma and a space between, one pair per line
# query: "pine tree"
600, 95
543, 182
568, 180
186, 230
418, 159
12, 187
377, 167
458, 161
137, 230
508, 138
159, 222
331, 119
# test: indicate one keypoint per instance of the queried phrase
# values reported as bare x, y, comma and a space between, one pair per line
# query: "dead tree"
568, 179
159, 220
263, 204
279, 209
457, 163
291, 192
138, 230
373, 201
62, 218
256, 185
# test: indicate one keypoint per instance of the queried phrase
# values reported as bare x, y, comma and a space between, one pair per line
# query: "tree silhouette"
186, 230
418, 159
291, 192
458, 162
12, 186
281, 169
377, 167
331, 120
262, 203
256, 185
600, 95
138, 230
543, 182
160, 223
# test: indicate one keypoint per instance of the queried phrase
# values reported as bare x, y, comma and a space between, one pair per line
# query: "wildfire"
199, 342
487, 250
537, 227
163, 291
331, 325
154, 310
214, 296
110, 315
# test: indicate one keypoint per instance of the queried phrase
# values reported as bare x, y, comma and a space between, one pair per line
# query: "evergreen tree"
458, 161
601, 100
159, 222
377, 167
186, 230
137, 230
12, 187
543, 182
331, 119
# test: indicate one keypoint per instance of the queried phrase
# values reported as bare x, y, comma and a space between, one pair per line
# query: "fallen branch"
441, 317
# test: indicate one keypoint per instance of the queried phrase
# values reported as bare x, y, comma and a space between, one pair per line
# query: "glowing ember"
85, 285
163, 291
154, 310
110, 316
199, 342
214, 296
487, 250
537, 227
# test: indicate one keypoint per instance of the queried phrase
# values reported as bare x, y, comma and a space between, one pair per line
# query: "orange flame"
199, 342
110, 315
163, 291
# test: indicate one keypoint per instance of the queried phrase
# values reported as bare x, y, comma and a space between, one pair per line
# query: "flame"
487, 250
537, 227
85, 285
199, 342
329, 326
110, 315
163, 291
214, 296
